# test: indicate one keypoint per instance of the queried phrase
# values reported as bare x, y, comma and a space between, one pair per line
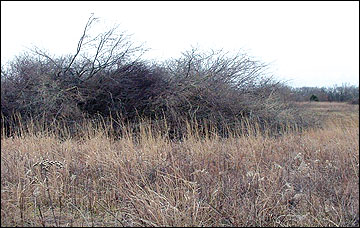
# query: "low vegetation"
308, 178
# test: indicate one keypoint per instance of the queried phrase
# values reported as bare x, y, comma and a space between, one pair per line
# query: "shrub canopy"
111, 80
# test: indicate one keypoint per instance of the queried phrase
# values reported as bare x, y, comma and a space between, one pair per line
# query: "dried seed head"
46, 164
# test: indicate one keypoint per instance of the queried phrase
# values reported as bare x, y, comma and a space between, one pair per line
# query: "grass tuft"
301, 178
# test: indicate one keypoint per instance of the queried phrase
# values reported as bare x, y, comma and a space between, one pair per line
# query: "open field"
332, 109
299, 179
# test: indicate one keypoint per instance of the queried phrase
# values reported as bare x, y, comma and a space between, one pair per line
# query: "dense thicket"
106, 77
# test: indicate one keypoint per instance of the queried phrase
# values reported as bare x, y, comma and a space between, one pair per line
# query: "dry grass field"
308, 178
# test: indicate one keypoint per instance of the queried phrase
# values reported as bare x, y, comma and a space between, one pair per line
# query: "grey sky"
309, 43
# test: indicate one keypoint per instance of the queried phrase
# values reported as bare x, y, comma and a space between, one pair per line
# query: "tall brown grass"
308, 178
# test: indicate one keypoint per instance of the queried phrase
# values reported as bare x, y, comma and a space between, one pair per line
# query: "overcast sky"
309, 43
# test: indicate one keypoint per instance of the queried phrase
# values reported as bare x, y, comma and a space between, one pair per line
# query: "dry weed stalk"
45, 166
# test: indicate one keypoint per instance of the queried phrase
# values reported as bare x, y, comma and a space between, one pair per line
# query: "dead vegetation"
298, 179
103, 138
106, 79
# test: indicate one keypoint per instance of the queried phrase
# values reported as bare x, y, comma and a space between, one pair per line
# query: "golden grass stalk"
308, 178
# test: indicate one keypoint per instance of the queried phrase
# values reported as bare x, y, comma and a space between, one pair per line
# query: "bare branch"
88, 24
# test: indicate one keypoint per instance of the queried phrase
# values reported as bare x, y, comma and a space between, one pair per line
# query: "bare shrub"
38, 85
224, 89
106, 77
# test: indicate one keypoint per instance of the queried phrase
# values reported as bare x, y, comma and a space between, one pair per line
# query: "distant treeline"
344, 93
